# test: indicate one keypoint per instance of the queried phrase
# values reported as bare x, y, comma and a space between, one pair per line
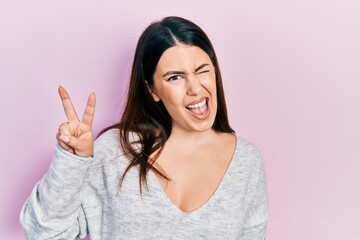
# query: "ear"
152, 92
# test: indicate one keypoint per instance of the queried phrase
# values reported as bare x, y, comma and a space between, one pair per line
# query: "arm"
53, 210
257, 214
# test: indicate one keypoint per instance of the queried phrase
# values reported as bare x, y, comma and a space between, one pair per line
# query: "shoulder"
108, 156
244, 146
249, 156
108, 143
249, 171
111, 137
107, 166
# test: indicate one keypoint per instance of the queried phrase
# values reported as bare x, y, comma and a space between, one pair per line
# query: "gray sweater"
80, 196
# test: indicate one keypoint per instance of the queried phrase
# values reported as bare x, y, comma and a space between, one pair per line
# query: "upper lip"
196, 101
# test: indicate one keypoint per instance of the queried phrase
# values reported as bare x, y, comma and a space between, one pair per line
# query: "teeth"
200, 104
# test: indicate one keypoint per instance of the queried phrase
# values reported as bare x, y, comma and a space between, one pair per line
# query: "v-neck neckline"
211, 198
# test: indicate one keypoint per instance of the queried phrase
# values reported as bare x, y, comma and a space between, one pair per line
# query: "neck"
189, 139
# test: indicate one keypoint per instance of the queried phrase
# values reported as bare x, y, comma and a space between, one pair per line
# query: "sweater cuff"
67, 169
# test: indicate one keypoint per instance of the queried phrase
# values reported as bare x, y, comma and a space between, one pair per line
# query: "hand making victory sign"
76, 136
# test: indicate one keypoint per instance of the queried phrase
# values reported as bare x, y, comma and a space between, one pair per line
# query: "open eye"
175, 77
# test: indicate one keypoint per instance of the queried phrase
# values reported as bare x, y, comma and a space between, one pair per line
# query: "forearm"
53, 210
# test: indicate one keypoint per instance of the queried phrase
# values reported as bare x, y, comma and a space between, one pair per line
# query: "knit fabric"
80, 196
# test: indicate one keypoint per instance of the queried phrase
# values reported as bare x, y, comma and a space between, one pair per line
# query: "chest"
128, 215
154, 215
193, 177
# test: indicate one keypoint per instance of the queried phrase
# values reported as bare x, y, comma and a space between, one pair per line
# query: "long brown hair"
144, 117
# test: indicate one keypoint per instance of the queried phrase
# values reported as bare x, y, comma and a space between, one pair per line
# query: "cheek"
172, 94
172, 101
209, 82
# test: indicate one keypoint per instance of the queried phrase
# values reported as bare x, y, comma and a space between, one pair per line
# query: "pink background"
291, 71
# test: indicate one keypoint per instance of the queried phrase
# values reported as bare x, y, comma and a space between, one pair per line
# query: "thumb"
70, 141
81, 147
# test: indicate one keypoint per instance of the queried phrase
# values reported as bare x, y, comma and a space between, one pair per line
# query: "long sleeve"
53, 210
257, 214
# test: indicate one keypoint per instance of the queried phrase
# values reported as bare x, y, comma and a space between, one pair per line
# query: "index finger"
88, 116
67, 104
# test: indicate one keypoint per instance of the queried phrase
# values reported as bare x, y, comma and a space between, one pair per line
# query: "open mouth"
199, 108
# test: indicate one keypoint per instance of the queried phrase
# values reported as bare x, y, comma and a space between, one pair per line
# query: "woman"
171, 169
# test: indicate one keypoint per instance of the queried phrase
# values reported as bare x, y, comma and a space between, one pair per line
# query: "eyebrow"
179, 72
201, 66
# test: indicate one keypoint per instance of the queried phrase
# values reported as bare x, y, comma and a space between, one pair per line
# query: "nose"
193, 86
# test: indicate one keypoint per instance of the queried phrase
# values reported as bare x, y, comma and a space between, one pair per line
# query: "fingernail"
64, 138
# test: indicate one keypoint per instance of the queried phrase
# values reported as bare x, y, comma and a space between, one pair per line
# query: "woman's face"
184, 80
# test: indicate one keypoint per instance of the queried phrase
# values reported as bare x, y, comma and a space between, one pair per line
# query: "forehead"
182, 57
